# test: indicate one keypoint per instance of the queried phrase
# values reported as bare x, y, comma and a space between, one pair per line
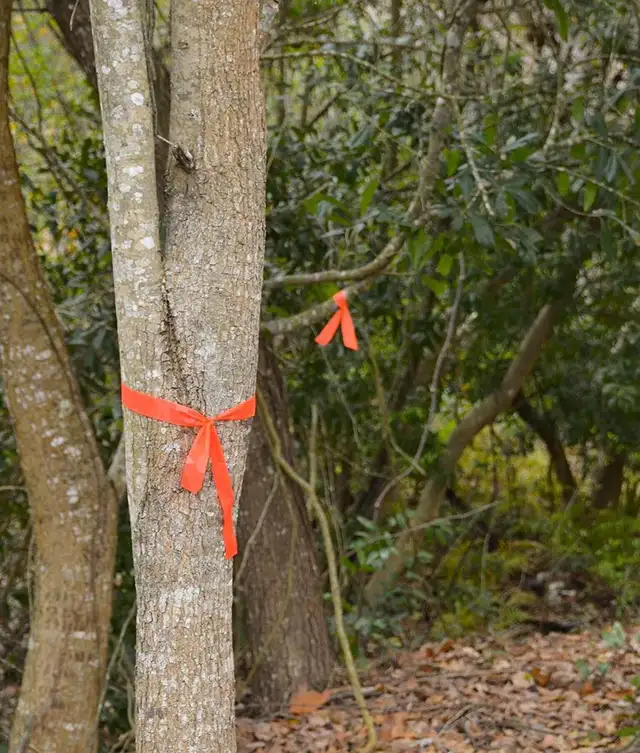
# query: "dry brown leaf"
264, 732
522, 680
318, 719
621, 695
308, 701
540, 677
503, 695
587, 688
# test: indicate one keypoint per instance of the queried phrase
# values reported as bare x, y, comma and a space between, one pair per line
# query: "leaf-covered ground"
537, 693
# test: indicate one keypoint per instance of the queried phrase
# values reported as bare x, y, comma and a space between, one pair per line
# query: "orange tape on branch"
206, 447
342, 318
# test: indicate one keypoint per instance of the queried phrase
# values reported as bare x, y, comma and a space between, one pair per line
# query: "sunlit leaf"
561, 17
368, 194
444, 265
589, 196
563, 183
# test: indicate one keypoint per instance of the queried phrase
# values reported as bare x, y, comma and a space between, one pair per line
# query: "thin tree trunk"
544, 427
609, 480
395, 30
481, 415
188, 319
73, 505
277, 575
78, 40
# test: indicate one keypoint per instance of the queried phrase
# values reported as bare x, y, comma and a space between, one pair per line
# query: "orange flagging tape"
206, 446
342, 318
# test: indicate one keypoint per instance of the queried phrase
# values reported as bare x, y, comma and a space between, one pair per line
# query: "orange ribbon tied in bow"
206, 447
342, 318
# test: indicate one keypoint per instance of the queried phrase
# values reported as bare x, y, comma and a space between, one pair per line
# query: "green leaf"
628, 731
615, 637
482, 230
312, 203
583, 669
561, 17
339, 220
439, 287
563, 183
589, 197
578, 151
367, 523
525, 199
368, 194
607, 241
453, 158
577, 109
490, 135
421, 248
444, 265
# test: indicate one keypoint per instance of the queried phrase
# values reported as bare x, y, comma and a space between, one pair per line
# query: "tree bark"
481, 415
73, 505
188, 318
277, 574
609, 480
291, 662
544, 427
395, 30
78, 40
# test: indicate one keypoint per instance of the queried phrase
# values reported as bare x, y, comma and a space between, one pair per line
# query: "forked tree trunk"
303, 654
277, 576
188, 319
73, 505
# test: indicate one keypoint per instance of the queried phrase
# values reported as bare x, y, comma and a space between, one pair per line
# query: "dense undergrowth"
506, 549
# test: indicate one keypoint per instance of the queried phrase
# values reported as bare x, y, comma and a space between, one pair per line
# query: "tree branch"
377, 265
544, 427
418, 212
314, 314
481, 415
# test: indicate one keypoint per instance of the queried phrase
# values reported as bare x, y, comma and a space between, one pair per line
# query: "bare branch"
313, 314
374, 267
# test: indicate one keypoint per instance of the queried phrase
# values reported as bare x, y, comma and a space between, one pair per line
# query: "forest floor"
558, 692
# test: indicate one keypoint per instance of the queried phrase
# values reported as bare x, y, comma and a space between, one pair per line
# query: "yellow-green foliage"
493, 464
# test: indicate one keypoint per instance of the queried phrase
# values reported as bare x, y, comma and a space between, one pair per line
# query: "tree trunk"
544, 427
481, 415
609, 479
73, 505
301, 654
78, 40
188, 318
277, 574
395, 30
